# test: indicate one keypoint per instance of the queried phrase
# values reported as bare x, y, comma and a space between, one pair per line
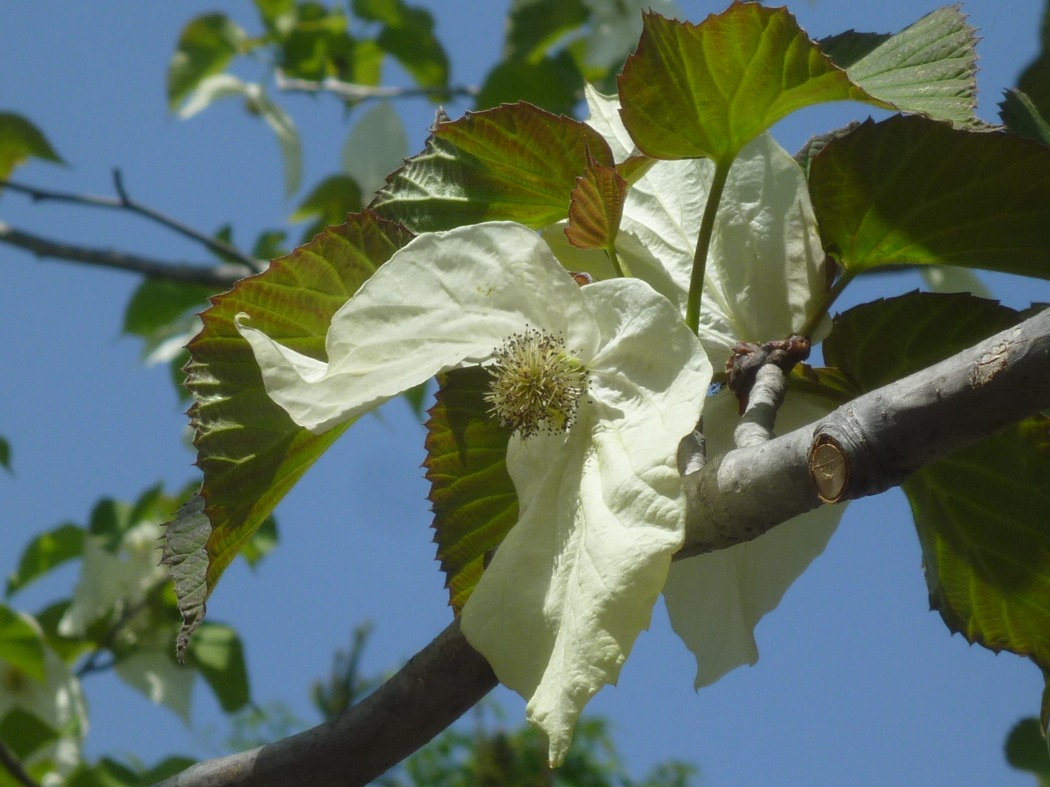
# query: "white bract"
600, 499
765, 274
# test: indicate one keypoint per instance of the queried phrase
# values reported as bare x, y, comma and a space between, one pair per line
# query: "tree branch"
353, 91
124, 202
14, 766
882, 438
218, 276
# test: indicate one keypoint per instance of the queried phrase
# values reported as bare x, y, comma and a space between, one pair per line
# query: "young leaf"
909, 190
20, 139
706, 90
515, 162
249, 449
473, 498
981, 518
45, 552
205, 47
929, 67
596, 208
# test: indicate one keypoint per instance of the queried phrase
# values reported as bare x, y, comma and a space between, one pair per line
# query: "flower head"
536, 384
601, 509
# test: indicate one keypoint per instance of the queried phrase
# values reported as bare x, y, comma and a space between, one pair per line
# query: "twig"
957, 401
124, 202
218, 276
353, 91
14, 767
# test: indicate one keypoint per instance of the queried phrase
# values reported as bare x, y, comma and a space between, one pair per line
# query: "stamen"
536, 384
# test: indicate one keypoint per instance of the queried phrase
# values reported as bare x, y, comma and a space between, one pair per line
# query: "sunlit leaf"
472, 496
515, 162
910, 190
845, 49
596, 208
249, 449
929, 67
706, 90
48, 550
205, 47
19, 140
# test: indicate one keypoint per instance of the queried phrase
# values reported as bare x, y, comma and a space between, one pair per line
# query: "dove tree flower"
765, 280
599, 383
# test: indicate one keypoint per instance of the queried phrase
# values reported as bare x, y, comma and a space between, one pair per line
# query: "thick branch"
437, 686
885, 436
218, 276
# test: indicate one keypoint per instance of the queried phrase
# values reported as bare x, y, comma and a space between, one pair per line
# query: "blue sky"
858, 683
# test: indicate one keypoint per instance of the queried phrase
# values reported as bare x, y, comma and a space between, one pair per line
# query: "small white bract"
536, 384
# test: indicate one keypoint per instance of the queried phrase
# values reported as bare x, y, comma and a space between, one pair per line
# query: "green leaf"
551, 83
5, 455
156, 303
45, 552
514, 162
910, 190
376, 146
20, 139
981, 519
878, 342
692, 91
250, 451
205, 47
596, 208
329, 203
1026, 750
107, 772
165, 769
473, 498
24, 732
929, 67
164, 314
276, 15
315, 44
217, 653
845, 49
21, 645
1020, 114
262, 542
408, 35
533, 26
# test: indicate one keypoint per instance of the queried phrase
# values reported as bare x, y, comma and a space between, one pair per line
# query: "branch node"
828, 468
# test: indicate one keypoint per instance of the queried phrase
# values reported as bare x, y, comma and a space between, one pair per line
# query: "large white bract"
601, 505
